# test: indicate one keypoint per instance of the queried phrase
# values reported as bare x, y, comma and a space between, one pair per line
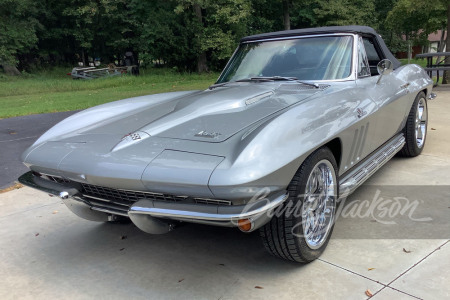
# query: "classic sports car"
297, 120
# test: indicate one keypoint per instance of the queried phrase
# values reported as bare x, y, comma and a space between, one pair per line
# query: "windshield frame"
354, 58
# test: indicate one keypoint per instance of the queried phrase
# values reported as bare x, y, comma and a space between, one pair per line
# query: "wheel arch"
335, 146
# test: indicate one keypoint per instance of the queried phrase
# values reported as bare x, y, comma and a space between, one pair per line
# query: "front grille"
126, 197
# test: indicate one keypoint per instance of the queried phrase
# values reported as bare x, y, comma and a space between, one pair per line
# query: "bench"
438, 66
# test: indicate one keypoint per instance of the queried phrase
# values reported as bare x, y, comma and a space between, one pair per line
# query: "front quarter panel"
270, 155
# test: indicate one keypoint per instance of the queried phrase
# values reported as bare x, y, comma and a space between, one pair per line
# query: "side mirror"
384, 67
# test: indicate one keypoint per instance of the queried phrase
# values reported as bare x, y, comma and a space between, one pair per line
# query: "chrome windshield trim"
354, 69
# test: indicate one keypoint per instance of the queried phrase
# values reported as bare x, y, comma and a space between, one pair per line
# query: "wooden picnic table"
440, 65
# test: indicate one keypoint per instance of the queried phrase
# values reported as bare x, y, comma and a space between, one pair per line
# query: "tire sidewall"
308, 253
410, 129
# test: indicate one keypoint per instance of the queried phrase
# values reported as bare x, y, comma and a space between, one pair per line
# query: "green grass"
54, 91
418, 61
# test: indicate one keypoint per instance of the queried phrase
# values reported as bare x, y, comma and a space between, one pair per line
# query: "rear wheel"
416, 127
302, 226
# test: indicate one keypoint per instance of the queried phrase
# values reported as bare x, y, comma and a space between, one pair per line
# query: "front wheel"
302, 226
416, 127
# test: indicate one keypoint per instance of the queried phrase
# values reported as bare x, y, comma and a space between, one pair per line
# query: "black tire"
284, 236
412, 146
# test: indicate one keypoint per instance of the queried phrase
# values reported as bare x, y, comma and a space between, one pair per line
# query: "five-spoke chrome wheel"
421, 122
319, 204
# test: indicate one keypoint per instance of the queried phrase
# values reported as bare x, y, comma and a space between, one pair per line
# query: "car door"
390, 93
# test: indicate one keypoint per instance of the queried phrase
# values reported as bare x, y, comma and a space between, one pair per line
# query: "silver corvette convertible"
296, 121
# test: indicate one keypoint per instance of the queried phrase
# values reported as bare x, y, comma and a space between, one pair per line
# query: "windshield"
314, 58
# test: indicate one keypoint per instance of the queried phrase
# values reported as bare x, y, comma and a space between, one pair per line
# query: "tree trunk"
83, 58
202, 65
446, 77
286, 17
11, 70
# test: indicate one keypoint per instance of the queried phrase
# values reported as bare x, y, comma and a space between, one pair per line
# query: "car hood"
116, 143
208, 116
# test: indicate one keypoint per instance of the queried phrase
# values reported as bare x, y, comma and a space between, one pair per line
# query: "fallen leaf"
13, 132
123, 237
433, 128
258, 287
36, 234
55, 212
406, 251
223, 265
16, 186
369, 293
121, 249
370, 269
180, 280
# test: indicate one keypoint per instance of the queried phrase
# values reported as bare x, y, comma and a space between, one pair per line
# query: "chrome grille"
127, 198
121, 198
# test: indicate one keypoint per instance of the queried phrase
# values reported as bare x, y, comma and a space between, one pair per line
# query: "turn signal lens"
245, 225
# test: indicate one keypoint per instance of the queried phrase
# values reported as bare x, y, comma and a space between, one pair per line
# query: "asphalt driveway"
16, 135
46, 252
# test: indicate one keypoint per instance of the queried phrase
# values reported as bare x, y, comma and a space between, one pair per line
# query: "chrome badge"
206, 134
130, 139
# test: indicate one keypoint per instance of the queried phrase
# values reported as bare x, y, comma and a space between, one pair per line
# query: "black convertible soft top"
363, 30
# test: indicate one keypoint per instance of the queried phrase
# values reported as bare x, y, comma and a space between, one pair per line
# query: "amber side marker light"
245, 225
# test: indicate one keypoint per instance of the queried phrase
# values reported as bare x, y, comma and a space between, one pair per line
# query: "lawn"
418, 61
54, 91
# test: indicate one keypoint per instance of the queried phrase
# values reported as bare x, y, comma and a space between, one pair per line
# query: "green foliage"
344, 12
17, 29
415, 19
187, 34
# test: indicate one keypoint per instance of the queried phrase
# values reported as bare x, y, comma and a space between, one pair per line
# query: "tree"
17, 30
286, 16
416, 19
446, 78
219, 25
344, 12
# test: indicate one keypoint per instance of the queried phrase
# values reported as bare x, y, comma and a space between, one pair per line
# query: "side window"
363, 64
372, 53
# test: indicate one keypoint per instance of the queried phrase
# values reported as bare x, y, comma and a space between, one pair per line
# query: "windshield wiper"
282, 78
225, 83
266, 78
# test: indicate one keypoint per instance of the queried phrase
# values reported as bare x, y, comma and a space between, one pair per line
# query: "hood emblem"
206, 134
361, 113
131, 139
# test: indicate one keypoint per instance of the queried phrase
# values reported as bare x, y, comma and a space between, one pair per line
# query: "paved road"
16, 134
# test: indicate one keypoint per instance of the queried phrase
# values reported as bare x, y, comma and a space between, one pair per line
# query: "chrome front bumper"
157, 216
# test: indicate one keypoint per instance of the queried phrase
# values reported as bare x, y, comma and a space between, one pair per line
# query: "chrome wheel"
421, 122
319, 204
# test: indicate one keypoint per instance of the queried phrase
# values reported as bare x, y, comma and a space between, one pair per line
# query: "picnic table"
93, 72
440, 65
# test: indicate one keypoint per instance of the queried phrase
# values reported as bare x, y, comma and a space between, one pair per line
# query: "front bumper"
158, 216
